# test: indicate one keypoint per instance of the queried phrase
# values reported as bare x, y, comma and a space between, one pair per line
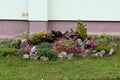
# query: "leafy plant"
6, 51
81, 30
45, 45
103, 38
45, 49
106, 48
37, 37
68, 43
65, 45
16, 43
107, 37
47, 52
103, 42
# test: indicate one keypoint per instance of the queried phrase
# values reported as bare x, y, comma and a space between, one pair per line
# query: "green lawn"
105, 68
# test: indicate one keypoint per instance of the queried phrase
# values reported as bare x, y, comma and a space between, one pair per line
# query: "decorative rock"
93, 51
62, 55
33, 52
102, 52
26, 56
79, 42
24, 43
44, 58
37, 58
98, 54
18, 52
86, 53
111, 51
70, 56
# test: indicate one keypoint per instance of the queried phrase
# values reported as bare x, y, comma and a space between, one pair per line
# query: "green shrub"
38, 37
25, 35
107, 37
45, 45
48, 52
81, 30
68, 43
7, 51
103, 42
16, 43
103, 47
103, 38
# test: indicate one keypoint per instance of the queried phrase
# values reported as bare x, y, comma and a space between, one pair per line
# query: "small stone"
111, 51
98, 54
33, 52
79, 42
26, 56
18, 52
87, 51
37, 58
44, 58
93, 51
102, 52
24, 43
70, 56
62, 55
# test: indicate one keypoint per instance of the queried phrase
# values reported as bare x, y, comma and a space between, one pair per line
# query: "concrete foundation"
10, 29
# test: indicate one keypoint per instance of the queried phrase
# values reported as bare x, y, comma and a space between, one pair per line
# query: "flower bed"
51, 45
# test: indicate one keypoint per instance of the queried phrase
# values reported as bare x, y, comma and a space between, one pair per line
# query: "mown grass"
105, 68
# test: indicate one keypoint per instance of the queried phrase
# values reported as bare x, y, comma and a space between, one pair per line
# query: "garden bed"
53, 45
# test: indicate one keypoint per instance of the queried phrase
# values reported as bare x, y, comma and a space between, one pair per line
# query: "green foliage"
89, 68
45, 45
25, 35
16, 43
107, 37
38, 37
68, 43
45, 49
48, 52
101, 47
6, 51
103, 42
81, 30
103, 38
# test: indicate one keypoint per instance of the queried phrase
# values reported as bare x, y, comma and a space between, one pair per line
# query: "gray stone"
87, 51
70, 56
62, 55
98, 54
33, 52
44, 58
26, 56
18, 52
111, 51
79, 42
102, 52
36, 57
93, 51
24, 43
